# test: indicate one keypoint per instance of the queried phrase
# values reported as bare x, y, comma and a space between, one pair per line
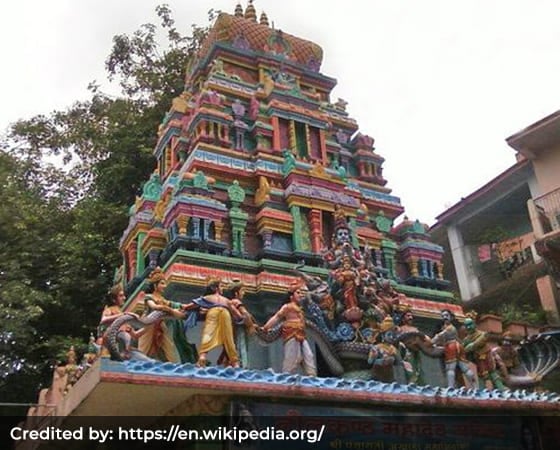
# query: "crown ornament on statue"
340, 218
403, 308
212, 279
156, 275
236, 282
295, 285
386, 325
471, 315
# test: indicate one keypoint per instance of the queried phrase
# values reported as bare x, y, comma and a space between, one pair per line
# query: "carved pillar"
353, 228
293, 142
238, 221
439, 272
315, 218
389, 249
168, 159
225, 138
131, 256
196, 226
378, 258
140, 264
305, 233
413, 266
424, 268
266, 235
182, 222
218, 229
239, 139
430, 268
276, 133
296, 236
361, 168
205, 229
323, 142
237, 217
308, 142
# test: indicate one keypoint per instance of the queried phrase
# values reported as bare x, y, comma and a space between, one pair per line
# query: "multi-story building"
501, 238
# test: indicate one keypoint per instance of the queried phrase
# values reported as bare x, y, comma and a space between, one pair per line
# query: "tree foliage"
60, 223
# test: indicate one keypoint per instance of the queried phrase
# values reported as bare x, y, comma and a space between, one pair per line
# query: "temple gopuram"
264, 183
253, 161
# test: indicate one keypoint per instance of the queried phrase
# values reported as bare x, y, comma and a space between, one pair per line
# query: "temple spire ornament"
250, 12
238, 10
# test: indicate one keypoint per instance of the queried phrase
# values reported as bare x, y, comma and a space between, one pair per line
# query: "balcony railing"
545, 212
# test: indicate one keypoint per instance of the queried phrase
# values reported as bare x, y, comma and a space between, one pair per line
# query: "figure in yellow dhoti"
236, 292
218, 327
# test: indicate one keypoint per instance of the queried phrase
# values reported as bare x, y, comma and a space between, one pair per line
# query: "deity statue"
110, 313
454, 353
297, 351
345, 262
341, 243
413, 341
384, 355
219, 314
506, 356
478, 350
388, 297
349, 280
164, 339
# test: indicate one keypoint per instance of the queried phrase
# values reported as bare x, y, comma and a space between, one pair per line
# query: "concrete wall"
547, 168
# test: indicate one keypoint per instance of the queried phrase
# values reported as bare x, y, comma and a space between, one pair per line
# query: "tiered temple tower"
257, 169
252, 160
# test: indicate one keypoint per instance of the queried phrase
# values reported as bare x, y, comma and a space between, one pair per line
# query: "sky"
440, 85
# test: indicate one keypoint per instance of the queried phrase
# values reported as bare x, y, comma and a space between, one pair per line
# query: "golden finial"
238, 10
250, 12
264, 19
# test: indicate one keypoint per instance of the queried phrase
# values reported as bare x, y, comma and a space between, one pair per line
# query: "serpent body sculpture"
111, 336
539, 355
321, 340
334, 352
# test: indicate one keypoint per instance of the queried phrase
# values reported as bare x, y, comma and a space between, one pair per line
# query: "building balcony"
544, 212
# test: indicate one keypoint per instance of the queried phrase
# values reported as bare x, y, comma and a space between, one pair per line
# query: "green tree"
31, 219
63, 225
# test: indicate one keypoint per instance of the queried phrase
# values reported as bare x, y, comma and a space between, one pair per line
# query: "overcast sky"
438, 84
